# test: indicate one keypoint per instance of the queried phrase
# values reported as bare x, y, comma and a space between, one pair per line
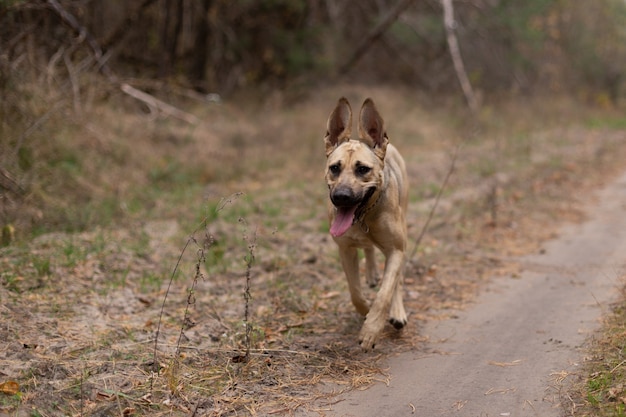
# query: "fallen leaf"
615, 392
10, 388
104, 396
504, 364
330, 294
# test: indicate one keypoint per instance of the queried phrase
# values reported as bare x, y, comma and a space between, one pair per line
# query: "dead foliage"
253, 318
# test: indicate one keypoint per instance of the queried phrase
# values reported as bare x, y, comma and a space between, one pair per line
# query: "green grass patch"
610, 122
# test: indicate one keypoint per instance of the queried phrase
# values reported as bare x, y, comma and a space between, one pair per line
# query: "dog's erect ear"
372, 129
339, 126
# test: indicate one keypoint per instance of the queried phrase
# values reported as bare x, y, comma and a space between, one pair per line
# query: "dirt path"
513, 352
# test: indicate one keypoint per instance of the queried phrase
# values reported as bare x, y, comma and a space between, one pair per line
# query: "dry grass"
600, 390
80, 310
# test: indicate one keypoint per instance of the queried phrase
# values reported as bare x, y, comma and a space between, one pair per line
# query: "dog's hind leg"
350, 262
397, 315
371, 272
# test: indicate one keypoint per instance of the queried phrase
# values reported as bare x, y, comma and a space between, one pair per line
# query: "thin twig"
437, 198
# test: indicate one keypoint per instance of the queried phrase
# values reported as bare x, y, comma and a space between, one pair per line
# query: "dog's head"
354, 168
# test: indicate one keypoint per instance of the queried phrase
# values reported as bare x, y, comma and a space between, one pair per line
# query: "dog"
368, 192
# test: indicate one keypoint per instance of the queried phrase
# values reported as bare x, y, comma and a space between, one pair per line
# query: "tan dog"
369, 193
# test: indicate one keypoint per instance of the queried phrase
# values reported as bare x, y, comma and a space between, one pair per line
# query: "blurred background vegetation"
61, 60
221, 45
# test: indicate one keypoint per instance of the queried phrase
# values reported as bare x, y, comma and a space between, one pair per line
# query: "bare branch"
162, 106
101, 60
8, 182
83, 33
74, 82
376, 33
120, 31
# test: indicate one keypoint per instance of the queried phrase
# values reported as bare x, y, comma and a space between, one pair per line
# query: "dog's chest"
357, 236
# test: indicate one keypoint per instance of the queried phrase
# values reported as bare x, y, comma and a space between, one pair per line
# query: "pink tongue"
343, 220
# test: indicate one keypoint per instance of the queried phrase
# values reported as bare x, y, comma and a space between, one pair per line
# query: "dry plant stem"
82, 391
155, 364
191, 298
437, 198
246, 295
223, 202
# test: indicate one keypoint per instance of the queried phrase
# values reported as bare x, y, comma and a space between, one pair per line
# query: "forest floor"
215, 238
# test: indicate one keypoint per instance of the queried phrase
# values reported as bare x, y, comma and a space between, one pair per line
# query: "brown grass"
80, 310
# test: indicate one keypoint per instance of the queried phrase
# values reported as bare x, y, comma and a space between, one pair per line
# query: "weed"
98, 244
201, 258
150, 281
10, 401
42, 265
73, 252
140, 244
10, 281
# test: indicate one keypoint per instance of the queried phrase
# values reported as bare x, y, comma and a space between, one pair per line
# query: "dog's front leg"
350, 262
371, 274
377, 316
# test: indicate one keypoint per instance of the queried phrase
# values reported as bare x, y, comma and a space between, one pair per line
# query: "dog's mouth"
347, 215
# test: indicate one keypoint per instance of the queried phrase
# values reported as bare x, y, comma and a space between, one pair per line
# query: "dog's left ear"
372, 129
339, 125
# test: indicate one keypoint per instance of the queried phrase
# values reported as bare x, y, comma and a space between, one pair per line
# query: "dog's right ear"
339, 125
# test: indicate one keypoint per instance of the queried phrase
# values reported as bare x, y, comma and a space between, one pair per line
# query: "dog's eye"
334, 169
362, 170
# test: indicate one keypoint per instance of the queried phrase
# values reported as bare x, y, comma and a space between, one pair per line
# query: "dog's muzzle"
350, 208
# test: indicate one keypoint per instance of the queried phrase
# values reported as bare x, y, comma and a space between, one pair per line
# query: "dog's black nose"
343, 197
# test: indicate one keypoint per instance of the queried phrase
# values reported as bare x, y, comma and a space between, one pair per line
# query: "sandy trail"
515, 350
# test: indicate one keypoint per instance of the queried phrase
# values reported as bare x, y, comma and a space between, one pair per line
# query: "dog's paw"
368, 342
372, 280
397, 315
370, 333
397, 324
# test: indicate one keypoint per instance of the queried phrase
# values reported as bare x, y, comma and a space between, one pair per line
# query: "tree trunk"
172, 18
455, 53
201, 48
